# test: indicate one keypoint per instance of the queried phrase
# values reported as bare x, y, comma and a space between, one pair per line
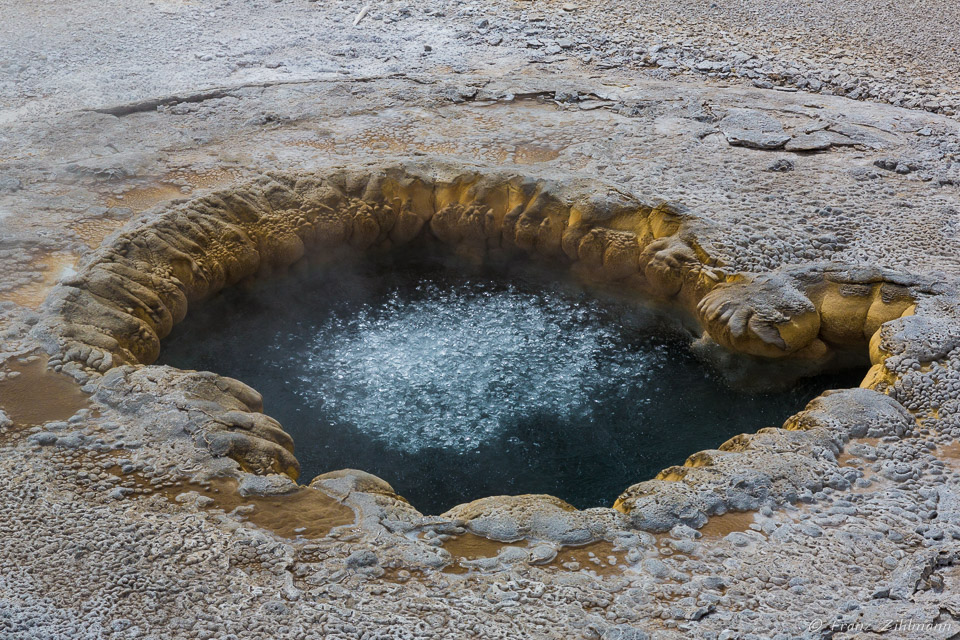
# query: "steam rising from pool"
455, 385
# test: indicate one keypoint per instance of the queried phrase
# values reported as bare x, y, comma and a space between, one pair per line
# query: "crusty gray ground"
245, 87
59, 56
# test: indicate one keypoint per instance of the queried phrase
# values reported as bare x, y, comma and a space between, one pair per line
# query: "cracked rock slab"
753, 129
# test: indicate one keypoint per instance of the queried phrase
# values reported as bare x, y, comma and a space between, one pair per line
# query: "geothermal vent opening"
454, 382
455, 385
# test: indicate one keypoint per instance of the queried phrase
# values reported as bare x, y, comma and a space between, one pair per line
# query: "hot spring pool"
455, 385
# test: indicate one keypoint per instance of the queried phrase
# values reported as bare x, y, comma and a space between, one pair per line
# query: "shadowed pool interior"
454, 384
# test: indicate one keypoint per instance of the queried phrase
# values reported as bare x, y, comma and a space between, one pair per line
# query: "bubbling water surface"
452, 368
454, 385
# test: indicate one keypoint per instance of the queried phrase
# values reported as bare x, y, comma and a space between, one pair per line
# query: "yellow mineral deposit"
532, 153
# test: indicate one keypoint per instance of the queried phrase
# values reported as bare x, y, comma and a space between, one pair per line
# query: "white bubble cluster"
451, 367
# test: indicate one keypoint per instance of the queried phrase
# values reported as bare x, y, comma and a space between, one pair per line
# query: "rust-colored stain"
474, 143
142, 198
534, 153
206, 179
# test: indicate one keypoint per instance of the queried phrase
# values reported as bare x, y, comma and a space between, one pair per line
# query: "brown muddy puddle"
733, 521
470, 546
949, 453
37, 395
847, 459
598, 557
400, 575
306, 513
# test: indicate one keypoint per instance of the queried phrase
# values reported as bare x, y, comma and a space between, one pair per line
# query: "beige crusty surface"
215, 140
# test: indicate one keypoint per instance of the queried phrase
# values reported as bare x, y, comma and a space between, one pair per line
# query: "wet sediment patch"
31, 394
303, 513
469, 550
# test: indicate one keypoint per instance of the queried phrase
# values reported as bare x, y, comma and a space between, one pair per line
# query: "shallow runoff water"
455, 384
